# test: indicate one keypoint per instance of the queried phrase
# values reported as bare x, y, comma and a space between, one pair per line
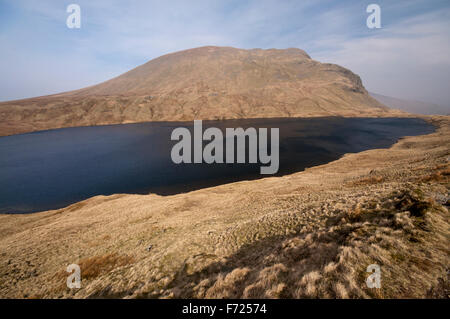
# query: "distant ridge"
416, 107
203, 83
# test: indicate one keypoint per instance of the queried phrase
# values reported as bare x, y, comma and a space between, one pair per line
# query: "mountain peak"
209, 82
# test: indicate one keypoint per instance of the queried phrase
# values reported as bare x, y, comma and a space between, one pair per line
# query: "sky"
408, 57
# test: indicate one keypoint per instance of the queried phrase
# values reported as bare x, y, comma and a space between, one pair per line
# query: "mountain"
203, 83
417, 107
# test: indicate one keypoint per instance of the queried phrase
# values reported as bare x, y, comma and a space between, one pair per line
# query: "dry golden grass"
367, 181
307, 235
440, 175
98, 265
325, 263
91, 268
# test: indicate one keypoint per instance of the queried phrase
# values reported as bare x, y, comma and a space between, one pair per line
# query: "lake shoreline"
305, 143
393, 113
273, 217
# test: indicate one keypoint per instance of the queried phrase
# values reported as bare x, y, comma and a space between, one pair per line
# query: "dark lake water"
52, 169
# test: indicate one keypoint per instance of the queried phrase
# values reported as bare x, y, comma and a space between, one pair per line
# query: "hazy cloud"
408, 57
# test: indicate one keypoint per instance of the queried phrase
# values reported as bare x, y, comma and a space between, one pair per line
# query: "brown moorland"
309, 234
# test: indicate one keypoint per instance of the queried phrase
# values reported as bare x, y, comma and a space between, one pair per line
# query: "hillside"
306, 235
203, 83
416, 107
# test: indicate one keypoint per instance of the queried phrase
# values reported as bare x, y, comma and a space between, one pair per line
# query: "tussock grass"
331, 262
311, 234
438, 176
93, 267
369, 180
96, 266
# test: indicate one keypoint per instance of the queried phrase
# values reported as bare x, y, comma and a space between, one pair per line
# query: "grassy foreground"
309, 234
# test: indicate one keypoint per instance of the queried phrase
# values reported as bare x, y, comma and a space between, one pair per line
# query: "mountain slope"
416, 107
203, 83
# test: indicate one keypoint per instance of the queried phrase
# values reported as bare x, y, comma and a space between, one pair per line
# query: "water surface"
52, 169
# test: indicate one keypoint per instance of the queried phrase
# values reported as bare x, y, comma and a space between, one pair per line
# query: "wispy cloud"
408, 59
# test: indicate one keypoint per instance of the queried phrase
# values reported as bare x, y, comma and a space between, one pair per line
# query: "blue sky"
409, 57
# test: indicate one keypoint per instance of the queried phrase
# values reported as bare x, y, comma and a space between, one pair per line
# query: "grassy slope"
203, 83
309, 234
